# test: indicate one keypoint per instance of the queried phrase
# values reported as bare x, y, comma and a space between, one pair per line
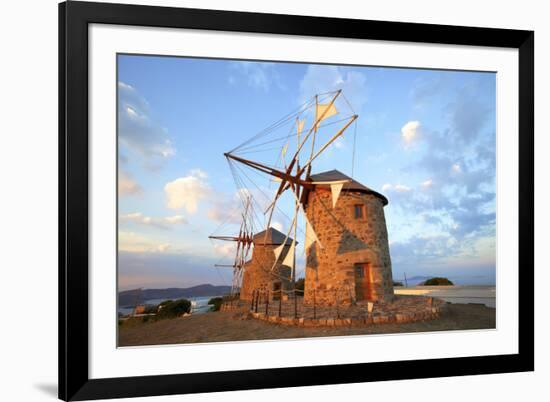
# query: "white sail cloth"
290, 255
324, 111
299, 129
335, 188
311, 236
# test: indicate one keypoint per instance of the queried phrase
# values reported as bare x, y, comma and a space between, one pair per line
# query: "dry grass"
230, 326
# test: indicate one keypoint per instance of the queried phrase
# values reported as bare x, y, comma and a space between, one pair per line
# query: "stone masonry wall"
346, 241
258, 275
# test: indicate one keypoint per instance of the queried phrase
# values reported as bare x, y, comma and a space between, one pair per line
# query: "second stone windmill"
347, 257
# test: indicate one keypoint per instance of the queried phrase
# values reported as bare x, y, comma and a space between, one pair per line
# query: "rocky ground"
235, 326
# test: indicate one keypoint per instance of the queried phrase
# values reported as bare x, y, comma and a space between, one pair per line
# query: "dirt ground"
231, 326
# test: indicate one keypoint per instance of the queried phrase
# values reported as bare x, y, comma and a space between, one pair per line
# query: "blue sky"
424, 138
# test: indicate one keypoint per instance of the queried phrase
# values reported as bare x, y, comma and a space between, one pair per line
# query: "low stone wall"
355, 321
403, 309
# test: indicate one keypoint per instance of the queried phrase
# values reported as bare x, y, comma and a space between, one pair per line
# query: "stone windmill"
354, 262
345, 233
263, 271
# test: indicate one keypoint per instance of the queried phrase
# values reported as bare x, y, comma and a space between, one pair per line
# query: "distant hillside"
129, 297
418, 278
413, 280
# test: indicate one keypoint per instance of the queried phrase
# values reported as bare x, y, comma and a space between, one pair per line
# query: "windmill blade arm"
272, 204
305, 217
334, 137
228, 238
284, 176
284, 244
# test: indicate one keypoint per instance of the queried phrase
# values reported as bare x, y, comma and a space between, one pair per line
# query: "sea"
199, 305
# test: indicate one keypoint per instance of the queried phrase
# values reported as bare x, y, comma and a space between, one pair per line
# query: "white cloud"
323, 78
161, 223
225, 209
137, 130
187, 192
161, 248
135, 243
399, 188
427, 184
277, 225
258, 75
225, 249
135, 216
228, 208
410, 132
201, 174
123, 85
127, 185
175, 220
456, 168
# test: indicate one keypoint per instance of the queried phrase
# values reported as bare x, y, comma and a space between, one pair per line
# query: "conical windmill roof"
352, 185
274, 237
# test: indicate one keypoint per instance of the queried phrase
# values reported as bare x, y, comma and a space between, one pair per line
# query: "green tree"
438, 281
172, 309
216, 303
150, 309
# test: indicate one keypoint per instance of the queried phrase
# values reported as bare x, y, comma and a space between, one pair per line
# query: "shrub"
172, 309
300, 285
216, 303
150, 309
165, 302
437, 281
396, 283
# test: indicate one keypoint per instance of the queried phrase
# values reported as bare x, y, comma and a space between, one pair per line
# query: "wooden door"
363, 281
276, 290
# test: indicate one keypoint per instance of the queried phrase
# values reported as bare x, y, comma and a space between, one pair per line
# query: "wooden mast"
244, 240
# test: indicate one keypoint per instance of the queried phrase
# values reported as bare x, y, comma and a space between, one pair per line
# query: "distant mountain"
419, 277
128, 298
483, 280
415, 279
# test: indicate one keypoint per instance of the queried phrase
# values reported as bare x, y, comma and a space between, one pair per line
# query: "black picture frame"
74, 18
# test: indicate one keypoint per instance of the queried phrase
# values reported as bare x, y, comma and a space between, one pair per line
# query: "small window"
358, 211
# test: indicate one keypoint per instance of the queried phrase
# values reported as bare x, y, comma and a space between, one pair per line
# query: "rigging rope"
296, 112
320, 126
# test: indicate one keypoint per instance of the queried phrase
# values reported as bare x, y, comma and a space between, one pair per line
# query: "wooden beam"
228, 238
284, 176
334, 137
242, 239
